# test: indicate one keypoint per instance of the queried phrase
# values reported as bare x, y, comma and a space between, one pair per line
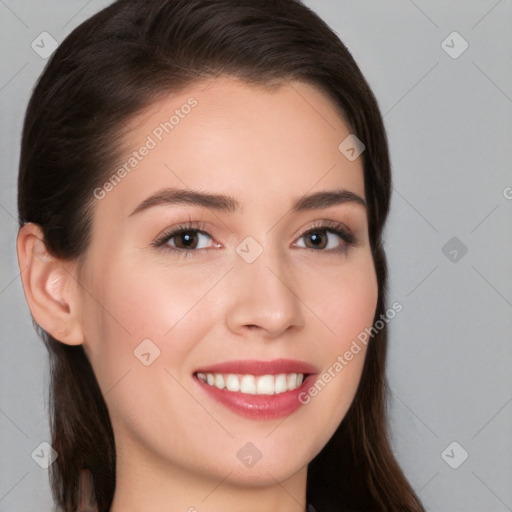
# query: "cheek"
346, 308
121, 310
348, 301
135, 310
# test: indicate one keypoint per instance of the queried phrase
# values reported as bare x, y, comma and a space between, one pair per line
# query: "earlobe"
49, 286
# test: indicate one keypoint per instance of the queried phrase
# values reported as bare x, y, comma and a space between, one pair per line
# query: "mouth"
254, 384
260, 390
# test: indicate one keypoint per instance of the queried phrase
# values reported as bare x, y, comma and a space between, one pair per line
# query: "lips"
259, 406
258, 367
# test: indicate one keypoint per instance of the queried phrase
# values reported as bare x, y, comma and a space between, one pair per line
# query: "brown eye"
185, 240
318, 238
323, 239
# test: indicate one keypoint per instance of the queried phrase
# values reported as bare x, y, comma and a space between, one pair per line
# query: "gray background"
448, 122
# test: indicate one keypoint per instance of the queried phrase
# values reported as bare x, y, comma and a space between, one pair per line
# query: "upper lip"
258, 367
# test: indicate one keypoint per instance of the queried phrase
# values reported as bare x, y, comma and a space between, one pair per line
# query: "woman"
203, 186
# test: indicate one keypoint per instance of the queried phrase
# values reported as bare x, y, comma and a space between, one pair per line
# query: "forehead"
227, 136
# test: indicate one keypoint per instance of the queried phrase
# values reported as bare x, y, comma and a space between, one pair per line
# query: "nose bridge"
264, 291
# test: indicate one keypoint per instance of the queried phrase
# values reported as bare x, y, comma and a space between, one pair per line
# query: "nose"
263, 295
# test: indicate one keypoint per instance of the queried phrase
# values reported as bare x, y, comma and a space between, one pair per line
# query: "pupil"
317, 240
187, 237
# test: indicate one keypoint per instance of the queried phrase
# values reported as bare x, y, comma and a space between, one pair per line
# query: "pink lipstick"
257, 389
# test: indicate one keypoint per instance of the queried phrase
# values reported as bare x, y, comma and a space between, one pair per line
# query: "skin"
176, 447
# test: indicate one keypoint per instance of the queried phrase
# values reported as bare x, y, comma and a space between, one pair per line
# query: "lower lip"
258, 407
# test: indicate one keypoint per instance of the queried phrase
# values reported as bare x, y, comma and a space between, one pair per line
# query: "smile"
253, 384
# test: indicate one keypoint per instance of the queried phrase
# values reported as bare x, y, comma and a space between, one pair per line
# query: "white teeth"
253, 384
291, 380
219, 381
248, 384
265, 385
232, 384
280, 383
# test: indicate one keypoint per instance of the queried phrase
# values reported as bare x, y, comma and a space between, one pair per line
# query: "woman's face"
260, 280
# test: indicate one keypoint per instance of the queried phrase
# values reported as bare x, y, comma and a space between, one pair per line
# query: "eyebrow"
226, 203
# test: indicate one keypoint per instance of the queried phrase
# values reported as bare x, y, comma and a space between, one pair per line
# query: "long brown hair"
107, 70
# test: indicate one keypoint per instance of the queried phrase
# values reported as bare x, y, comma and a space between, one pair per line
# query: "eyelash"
336, 228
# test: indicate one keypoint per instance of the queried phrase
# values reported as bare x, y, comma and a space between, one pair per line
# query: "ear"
50, 287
